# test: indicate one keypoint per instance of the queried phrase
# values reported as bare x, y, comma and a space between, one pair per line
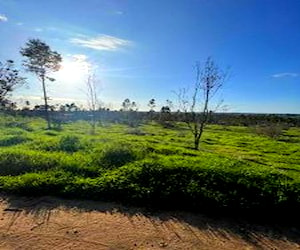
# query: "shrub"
69, 144
46, 183
16, 162
20, 161
13, 140
231, 185
273, 130
16, 122
114, 156
66, 143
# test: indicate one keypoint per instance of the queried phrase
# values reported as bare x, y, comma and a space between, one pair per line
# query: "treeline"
166, 118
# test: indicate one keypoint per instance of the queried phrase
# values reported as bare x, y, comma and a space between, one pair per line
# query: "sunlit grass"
234, 167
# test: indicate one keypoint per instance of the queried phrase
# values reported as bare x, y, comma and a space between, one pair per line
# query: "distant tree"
126, 104
197, 107
10, 79
130, 109
133, 106
69, 107
42, 107
152, 104
41, 61
26, 105
170, 104
165, 117
168, 107
165, 109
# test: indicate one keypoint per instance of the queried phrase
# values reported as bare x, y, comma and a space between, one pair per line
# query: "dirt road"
51, 223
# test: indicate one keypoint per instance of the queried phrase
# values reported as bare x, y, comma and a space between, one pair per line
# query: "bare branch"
209, 80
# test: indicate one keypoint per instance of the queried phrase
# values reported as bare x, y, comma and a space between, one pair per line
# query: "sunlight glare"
73, 70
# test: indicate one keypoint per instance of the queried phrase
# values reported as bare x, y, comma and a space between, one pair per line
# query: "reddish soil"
52, 223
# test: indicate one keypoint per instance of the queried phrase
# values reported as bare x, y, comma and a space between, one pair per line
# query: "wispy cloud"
285, 74
39, 99
19, 23
3, 18
118, 12
81, 61
38, 29
102, 42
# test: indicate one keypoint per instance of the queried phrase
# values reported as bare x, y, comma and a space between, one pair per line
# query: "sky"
144, 49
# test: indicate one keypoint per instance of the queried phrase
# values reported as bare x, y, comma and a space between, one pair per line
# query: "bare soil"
52, 223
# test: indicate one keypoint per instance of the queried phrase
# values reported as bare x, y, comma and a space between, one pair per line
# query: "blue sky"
143, 49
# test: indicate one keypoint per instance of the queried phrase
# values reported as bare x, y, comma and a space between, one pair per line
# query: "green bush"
69, 143
15, 162
47, 183
235, 186
15, 122
81, 165
66, 143
215, 185
114, 156
13, 140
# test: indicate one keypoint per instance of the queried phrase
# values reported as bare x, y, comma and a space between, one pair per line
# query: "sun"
72, 71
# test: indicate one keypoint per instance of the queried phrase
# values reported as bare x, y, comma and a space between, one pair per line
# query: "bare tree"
41, 60
9, 80
92, 98
197, 107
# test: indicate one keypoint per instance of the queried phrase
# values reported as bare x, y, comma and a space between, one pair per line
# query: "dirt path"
51, 223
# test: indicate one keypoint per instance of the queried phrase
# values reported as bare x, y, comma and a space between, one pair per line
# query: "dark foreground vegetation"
238, 169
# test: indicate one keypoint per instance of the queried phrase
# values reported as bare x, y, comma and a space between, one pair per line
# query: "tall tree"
41, 61
9, 80
198, 107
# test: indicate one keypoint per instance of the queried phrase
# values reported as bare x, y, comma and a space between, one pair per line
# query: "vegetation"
197, 107
236, 169
9, 80
41, 61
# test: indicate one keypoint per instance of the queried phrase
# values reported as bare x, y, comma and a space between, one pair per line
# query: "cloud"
285, 74
38, 29
118, 12
3, 18
102, 42
38, 99
82, 61
19, 23
79, 57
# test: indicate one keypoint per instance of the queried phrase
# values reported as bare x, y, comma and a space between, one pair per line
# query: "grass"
235, 170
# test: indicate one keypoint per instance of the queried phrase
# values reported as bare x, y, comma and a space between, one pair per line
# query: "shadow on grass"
251, 232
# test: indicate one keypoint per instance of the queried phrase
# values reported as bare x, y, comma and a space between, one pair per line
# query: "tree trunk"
46, 103
93, 121
196, 142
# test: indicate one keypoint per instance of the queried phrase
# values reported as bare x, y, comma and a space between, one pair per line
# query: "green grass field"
149, 165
